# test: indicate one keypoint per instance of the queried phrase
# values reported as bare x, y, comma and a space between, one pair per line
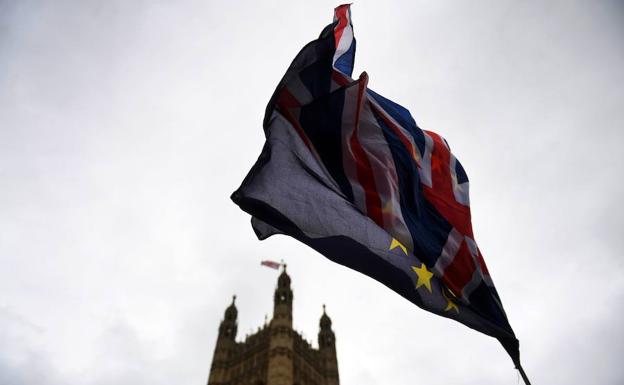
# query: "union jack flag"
271, 264
349, 173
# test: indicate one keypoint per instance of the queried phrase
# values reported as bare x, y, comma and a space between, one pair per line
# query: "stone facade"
276, 354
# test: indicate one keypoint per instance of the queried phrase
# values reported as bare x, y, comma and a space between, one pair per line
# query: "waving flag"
271, 264
349, 173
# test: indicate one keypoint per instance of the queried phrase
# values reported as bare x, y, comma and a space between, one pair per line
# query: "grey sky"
124, 127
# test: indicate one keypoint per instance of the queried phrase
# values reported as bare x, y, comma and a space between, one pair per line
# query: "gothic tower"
327, 347
225, 347
276, 354
280, 371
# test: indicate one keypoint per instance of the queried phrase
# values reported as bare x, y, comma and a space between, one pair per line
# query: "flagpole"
524, 376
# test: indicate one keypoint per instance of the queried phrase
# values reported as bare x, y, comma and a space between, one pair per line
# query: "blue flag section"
349, 173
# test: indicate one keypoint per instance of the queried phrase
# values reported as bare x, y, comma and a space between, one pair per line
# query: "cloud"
125, 126
22, 361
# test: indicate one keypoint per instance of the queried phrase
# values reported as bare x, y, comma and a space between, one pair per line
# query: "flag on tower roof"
349, 173
271, 264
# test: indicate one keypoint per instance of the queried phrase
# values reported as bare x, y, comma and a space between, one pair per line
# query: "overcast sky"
125, 126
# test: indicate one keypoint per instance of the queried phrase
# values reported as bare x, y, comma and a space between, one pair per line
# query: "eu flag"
349, 173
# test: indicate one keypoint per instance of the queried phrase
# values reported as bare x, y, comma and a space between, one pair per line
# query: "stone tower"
327, 348
276, 354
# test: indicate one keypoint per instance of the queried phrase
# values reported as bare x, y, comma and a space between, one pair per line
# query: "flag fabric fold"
349, 173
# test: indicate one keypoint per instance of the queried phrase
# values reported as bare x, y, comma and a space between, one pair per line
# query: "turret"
327, 347
226, 340
282, 300
229, 325
280, 370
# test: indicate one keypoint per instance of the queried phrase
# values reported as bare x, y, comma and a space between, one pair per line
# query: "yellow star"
394, 244
424, 276
450, 304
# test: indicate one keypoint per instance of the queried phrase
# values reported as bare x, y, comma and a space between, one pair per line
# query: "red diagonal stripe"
441, 193
363, 165
341, 15
459, 272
